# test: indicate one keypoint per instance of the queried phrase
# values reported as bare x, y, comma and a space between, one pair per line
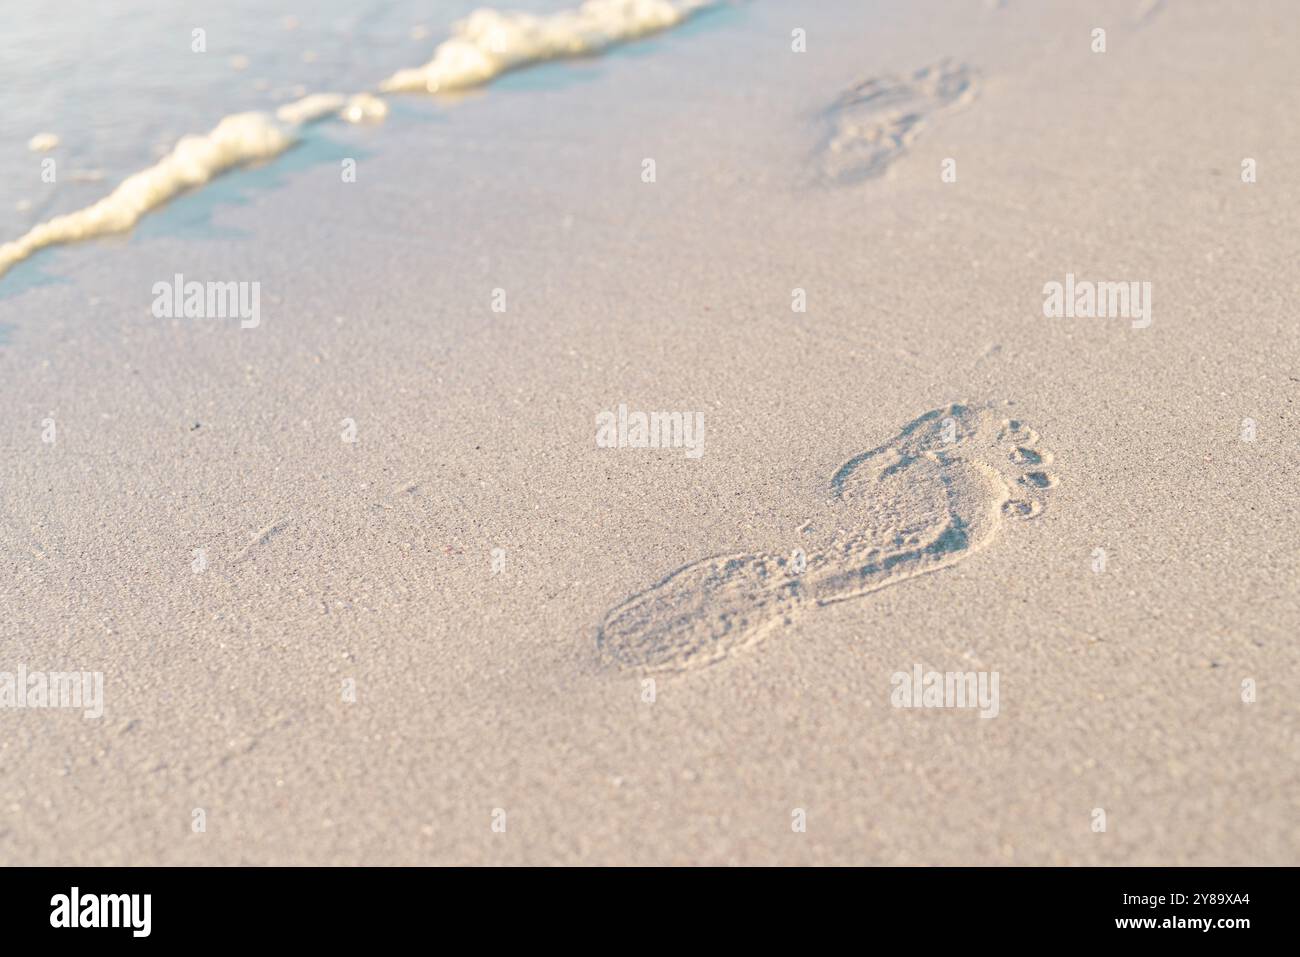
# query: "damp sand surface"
392, 493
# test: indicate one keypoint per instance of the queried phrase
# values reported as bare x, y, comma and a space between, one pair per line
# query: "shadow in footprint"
933, 495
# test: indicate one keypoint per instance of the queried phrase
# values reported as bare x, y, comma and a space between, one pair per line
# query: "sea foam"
488, 42
483, 46
238, 139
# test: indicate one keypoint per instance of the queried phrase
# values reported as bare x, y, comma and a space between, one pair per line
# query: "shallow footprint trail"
937, 492
873, 124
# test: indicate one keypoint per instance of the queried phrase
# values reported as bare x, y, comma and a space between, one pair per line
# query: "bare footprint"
871, 125
934, 494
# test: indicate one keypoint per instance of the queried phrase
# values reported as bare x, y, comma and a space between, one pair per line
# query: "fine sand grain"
362, 584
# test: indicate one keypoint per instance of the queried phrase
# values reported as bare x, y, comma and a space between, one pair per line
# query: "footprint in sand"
871, 125
931, 496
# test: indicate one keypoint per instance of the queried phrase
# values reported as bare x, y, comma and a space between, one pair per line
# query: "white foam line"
489, 42
238, 139
483, 46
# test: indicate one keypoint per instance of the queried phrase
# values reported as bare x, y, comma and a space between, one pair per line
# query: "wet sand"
479, 677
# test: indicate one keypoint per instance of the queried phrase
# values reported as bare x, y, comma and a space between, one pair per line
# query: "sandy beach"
393, 575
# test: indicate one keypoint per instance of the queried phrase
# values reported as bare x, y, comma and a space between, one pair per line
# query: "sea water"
111, 110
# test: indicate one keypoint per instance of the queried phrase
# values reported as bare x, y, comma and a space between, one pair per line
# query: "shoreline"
456, 550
